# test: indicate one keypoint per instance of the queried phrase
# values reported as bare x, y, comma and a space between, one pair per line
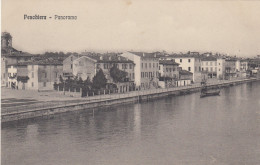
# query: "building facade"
146, 69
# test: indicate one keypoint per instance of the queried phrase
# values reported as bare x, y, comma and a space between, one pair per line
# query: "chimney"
155, 55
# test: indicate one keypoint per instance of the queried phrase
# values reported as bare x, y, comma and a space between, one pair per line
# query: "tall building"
146, 69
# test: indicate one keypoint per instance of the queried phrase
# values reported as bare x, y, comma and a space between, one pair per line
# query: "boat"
209, 92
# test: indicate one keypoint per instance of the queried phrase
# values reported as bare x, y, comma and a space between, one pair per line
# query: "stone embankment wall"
136, 96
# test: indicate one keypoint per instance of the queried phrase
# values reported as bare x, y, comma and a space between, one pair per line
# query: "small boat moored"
209, 92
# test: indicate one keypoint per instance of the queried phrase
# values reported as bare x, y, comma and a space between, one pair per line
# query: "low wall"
127, 98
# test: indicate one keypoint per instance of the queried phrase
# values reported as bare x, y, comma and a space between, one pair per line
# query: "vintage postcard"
127, 82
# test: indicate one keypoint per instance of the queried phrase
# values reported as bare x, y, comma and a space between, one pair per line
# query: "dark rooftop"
168, 62
185, 72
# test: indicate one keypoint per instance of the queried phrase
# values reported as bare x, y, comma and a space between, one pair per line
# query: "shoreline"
109, 100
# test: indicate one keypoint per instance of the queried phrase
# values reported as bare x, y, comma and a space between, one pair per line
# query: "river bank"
45, 109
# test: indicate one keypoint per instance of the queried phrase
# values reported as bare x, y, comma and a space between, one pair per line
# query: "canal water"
223, 130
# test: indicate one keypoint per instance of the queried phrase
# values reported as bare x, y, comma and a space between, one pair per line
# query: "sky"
231, 27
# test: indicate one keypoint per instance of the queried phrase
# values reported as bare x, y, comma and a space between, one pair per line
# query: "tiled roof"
108, 58
41, 62
209, 58
184, 56
17, 54
168, 62
185, 72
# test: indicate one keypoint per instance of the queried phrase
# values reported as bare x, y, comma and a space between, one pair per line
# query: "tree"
117, 74
61, 79
99, 80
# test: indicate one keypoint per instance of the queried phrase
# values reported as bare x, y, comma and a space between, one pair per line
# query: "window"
71, 66
145, 65
153, 65
32, 75
56, 75
44, 66
45, 75
210, 63
157, 65
202, 69
133, 75
188, 60
211, 69
189, 68
32, 84
4, 75
199, 69
71, 58
130, 66
206, 63
142, 65
150, 65
166, 69
44, 84
218, 63
180, 60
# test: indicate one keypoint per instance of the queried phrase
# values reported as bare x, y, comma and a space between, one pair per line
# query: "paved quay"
22, 101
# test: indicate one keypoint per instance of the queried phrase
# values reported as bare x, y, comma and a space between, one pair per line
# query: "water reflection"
174, 130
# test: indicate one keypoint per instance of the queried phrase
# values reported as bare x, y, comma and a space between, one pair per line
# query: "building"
146, 69
86, 66
209, 65
168, 68
34, 75
230, 68
10, 56
68, 65
168, 73
189, 62
185, 78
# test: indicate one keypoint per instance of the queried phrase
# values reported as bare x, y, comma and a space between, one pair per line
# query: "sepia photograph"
130, 82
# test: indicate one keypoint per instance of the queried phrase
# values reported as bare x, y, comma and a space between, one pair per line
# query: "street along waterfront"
174, 130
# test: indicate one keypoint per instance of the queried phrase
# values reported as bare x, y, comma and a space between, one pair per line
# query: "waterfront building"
230, 68
168, 68
190, 62
146, 69
209, 65
34, 75
185, 78
10, 56
168, 73
88, 65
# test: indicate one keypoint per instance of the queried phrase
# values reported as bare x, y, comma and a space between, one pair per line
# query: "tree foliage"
99, 80
117, 74
23, 79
